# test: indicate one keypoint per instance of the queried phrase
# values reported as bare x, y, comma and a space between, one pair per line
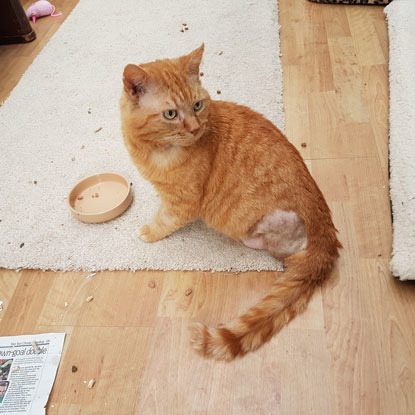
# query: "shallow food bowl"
100, 198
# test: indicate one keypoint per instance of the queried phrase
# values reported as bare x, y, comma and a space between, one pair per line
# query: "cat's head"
167, 101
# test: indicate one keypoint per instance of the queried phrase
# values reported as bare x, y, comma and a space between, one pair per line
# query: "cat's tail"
289, 296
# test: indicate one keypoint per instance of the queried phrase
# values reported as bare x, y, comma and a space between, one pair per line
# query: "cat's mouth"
188, 140
181, 140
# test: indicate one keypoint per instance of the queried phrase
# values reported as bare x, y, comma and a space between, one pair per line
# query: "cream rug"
401, 24
48, 139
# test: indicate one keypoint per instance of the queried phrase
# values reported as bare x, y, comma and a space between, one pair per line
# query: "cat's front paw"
147, 234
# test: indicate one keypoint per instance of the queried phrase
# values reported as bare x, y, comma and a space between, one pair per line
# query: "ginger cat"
233, 168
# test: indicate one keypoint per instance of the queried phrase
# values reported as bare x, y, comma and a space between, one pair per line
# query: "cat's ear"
192, 61
135, 81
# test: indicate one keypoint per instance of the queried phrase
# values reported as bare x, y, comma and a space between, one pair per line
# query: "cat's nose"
192, 126
195, 131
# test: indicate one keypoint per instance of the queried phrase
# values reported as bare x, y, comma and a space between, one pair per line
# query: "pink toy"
41, 8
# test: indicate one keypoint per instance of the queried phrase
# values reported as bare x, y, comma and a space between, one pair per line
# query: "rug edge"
400, 264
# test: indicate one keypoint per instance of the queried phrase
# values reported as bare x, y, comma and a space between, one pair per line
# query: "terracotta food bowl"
100, 198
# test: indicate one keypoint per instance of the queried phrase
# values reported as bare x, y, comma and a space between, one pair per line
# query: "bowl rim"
86, 215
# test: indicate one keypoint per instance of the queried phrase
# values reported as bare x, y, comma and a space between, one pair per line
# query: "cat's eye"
198, 106
170, 114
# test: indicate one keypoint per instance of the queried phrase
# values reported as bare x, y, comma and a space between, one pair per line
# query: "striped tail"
289, 296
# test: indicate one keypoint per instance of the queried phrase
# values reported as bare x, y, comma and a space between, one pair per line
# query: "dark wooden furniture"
14, 25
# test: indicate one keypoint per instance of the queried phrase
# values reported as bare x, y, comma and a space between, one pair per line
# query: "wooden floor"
352, 352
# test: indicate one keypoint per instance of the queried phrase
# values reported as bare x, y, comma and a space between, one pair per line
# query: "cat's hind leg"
282, 233
255, 242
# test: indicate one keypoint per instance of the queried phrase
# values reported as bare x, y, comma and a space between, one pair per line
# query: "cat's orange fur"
231, 167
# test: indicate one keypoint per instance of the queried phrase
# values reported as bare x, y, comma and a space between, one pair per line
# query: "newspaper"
28, 366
